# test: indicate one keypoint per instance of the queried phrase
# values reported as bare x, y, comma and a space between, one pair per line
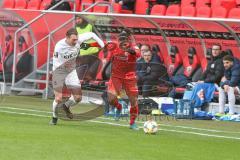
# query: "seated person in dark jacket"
203, 91
127, 4
215, 69
149, 70
230, 83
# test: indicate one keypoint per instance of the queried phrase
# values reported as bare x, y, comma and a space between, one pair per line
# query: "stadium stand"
188, 11
99, 8
204, 12
141, 7
185, 3
85, 4
173, 10
215, 3
175, 61
21, 4
158, 10
45, 4
203, 3
34, 4
8, 4
219, 12
234, 13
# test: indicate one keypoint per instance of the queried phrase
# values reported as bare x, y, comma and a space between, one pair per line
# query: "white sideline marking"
32, 110
171, 130
185, 127
122, 125
21, 113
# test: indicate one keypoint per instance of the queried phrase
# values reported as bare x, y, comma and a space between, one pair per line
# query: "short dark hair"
218, 44
228, 58
71, 31
147, 45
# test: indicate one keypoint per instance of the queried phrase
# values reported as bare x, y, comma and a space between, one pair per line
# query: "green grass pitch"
25, 134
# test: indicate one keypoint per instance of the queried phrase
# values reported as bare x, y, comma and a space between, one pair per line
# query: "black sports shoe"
53, 121
67, 111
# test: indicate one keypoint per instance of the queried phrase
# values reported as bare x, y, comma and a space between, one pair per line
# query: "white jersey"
64, 53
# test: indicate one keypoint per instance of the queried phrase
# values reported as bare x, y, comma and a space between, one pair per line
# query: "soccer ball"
150, 127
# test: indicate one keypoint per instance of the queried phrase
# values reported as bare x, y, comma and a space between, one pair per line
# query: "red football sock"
117, 104
133, 114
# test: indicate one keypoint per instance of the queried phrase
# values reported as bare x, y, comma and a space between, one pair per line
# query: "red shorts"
117, 85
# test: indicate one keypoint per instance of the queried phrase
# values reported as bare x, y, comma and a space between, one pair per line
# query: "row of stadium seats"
188, 8
192, 11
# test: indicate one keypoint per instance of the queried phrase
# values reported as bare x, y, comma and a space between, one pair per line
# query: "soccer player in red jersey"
123, 76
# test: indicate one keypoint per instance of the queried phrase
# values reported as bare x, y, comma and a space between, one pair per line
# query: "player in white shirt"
64, 70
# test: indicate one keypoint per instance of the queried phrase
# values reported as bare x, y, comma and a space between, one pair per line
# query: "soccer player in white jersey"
64, 70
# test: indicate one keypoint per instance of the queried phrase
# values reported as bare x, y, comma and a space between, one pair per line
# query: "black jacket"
127, 4
151, 72
65, 6
232, 75
215, 70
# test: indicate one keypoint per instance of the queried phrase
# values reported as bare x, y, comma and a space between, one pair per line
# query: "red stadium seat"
237, 3
21, 4
85, 4
175, 60
188, 3
203, 3
78, 5
34, 4
234, 13
219, 12
204, 12
173, 10
99, 8
158, 10
117, 8
215, 3
141, 7
8, 4
191, 62
228, 4
188, 11
45, 4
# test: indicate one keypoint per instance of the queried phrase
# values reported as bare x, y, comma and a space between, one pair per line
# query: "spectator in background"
203, 91
64, 6
215, 69
146, 47
229, 83
126, 4
88, 52
149, 71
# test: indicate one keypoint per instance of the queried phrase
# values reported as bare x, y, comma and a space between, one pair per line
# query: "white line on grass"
161, 124
184, 127
171, 130
31, 110
122, 125
22, 113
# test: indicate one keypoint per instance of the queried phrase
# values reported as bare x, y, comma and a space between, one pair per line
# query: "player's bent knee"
58, 100
78, 99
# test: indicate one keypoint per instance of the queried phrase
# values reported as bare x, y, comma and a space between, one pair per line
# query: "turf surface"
26, 135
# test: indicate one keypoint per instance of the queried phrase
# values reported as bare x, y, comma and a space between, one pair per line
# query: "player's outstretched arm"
90, 35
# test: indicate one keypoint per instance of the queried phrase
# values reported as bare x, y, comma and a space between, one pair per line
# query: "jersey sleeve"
90, 35
57, 51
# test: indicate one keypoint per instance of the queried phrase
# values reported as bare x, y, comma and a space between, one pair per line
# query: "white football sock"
54, 108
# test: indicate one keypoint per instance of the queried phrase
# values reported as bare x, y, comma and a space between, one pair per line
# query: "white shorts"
62, 78
72, 80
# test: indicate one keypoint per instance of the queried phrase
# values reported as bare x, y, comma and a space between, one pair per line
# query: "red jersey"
123, 65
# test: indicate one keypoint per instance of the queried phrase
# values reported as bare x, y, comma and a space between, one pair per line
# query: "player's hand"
131, 51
